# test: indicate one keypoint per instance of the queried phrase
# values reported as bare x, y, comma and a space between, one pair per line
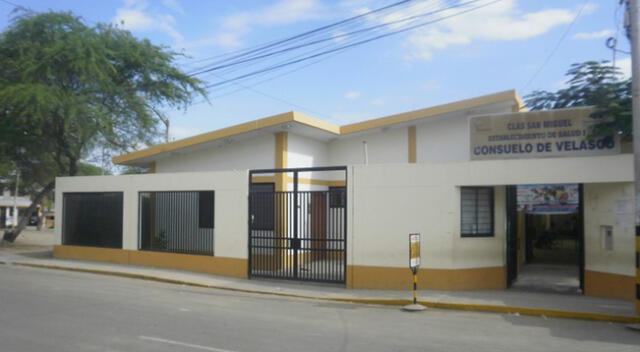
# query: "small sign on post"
414, 264
414, 251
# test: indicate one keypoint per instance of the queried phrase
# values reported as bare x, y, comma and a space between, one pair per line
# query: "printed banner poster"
548, 199
537, 134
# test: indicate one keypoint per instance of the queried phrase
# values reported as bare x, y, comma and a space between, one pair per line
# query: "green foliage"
68, 90
134, 170
596, 84
86, 169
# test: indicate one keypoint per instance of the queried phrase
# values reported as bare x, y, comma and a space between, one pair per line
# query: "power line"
222, 65
350, 35
260, 47
272, 97
313, 54
553, 51
351, 45
353, 37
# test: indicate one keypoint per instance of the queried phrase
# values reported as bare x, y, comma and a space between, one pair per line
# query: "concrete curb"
548, 313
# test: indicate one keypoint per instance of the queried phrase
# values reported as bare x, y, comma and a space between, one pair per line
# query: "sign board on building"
537, 134
560, 198
414, 250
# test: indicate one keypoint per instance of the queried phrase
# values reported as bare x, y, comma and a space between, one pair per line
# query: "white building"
494, 192
9, 205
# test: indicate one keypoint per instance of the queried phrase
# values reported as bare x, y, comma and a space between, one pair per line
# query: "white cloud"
501, 21
234, 27
352, 95
593, 35
136, 16
625, 67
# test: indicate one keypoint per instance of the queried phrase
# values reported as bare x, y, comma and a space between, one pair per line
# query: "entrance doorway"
298, 224
545, 239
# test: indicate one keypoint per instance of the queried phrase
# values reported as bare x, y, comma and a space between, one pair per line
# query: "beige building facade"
415, 172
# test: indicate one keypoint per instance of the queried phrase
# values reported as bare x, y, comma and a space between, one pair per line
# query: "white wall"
610, 204
388, 146
388, 202
443, 139
230, 233
446, 138
254, 153
306, 152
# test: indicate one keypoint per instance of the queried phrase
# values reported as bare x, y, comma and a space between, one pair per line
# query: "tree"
596, 84
67, 88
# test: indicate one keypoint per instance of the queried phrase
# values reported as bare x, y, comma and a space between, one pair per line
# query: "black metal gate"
298, 234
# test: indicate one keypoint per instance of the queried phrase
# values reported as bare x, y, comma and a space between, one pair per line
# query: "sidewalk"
503, 301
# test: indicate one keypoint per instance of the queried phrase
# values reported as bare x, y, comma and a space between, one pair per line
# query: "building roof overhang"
298, 122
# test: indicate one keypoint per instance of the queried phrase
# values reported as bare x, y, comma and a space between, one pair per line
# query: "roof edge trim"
294, 116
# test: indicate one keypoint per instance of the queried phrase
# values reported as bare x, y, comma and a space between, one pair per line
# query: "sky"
524, 45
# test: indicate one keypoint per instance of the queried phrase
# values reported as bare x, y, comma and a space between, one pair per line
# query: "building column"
412, 152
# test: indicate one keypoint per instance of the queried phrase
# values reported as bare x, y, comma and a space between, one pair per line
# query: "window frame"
337, 193
492, 197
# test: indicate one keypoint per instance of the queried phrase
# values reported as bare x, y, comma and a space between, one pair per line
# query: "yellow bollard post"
414, 264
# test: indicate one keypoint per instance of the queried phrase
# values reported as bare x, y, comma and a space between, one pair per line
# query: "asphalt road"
49, 310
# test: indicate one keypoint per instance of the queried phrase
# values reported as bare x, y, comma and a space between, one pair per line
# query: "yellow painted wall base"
386, 278
199, 263
608, 285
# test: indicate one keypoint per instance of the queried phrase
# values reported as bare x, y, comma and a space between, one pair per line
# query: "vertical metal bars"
177, 221
92, 219
306, 239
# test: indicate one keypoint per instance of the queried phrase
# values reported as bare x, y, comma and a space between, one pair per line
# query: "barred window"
476, 216
177, 221
92, 219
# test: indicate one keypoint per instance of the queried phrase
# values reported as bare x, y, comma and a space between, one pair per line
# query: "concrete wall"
389, 146
387, 202
610, 204
230, 218
446, 138
308, 152
255, 153
610, 272
442, 138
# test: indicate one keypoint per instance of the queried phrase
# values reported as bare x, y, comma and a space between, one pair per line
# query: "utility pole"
632, 32
14, 219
